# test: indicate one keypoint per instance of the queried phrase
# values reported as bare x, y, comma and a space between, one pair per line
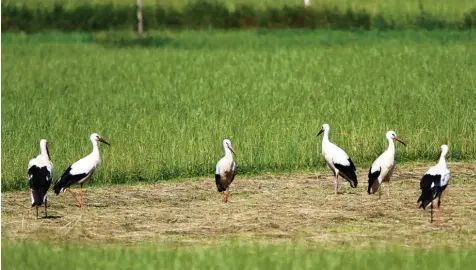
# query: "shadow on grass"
128, 41
51, 217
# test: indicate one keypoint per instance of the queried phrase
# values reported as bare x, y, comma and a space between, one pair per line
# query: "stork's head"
97, 138
443, 151
324, 128
227, 145
391, 135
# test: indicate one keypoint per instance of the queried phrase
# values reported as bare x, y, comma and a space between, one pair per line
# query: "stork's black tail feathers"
348, 172
425, 198
60, 184
429, 190
39, 184
373, 177
220, 187
65, 180
38, 196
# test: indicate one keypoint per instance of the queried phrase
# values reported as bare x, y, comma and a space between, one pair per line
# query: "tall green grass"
166, 103
34, 255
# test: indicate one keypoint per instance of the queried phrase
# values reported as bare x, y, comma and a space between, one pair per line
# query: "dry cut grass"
272, 208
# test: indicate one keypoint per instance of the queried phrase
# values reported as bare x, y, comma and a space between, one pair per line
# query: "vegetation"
273, 208
446, 8
92, 16
33, 256
167, 102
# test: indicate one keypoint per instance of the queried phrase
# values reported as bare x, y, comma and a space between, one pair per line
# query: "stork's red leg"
36, 211
225, 196
74, 196
81, 195
336, 184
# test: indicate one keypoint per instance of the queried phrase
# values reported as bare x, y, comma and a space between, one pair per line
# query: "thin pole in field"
139, 18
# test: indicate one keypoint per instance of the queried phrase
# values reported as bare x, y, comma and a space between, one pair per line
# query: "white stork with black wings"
225, 170
382, 168
434, 182
337, 160
80, 171
40, 173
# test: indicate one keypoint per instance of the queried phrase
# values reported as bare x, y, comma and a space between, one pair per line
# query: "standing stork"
434, 182
382, 168
225, 170
337, 160
40, 173
81, 170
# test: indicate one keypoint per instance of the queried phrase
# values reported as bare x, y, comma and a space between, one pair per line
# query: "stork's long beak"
232, 150
398, 139
320, 132
47, 151
103, 141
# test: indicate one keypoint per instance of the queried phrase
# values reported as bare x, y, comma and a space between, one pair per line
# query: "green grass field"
166, 104
232, 256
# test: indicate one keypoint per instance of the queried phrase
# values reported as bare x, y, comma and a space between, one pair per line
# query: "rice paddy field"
165, 103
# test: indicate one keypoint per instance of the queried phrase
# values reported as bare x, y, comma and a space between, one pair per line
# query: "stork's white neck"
228, 153
391, 146
44, 150
95, 147
442, 160
326, 136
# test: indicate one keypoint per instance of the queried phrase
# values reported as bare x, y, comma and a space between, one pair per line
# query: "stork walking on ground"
40, 173
225, 170
337, 160
80, 171
382, 168
434, 182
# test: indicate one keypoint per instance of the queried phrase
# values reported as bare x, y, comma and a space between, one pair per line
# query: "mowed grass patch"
281, 209
38, 255
166, 106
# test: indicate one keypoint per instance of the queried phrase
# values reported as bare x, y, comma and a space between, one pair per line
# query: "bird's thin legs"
438, 213
36, 206
81, 195
336, 184
46, 212
74, 196
431, 210
388, 189
225, 194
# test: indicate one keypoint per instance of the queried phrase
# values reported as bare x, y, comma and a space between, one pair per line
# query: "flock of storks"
432, 184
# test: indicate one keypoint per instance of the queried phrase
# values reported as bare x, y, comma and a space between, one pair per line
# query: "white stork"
225, 170
382, 168
434, 182
81, 170
337, 160
40, 173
